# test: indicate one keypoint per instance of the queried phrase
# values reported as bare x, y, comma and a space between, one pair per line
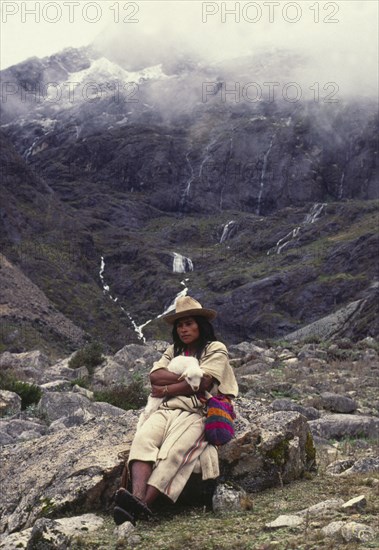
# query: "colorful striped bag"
219, 428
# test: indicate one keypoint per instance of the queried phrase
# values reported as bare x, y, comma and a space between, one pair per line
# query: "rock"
99, 409
357, 532
60, 533
287, 405
115, 373
83, 391
124, 531
16, 540
338, 403
285, 521
228, 499
277, 448
355, 504
363, 466
337, 426
245, 348
339, 466
47, 535
333, 528
291, 362
19, 361
61, 371
322, 508
16, 429
67, 469
56, 405
56, 385
10, 403
76, 418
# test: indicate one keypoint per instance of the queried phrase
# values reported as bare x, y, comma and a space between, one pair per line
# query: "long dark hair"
206, 331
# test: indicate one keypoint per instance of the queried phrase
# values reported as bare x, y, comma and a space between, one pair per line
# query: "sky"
342, 36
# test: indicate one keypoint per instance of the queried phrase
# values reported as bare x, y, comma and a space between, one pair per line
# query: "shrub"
133, 396
90, 356
30, 393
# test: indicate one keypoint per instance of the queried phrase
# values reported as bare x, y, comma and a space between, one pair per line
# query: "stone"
228, 499
20, 430
339, 466
322, 508
10, 403
83, 391
363, 466
338, 403
47, 535
277, 448
80, 466
337, 426
16, 540
56, 405
355, 504
56, 385
30, 359
288, 405
357, 532
332, 529
124, 531
285, 521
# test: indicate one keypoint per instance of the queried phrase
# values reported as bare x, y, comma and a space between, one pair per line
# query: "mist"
332, 41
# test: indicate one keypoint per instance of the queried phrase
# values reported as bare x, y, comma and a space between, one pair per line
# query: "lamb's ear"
182, 376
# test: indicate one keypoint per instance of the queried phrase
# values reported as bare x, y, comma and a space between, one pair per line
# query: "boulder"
285, 520
228, 499
322, 508
338, 403
76, 467
10, 403
357, 532
337, 426
58, 534
14, 430
54, 405
288, 405
363, 466
276, 448
20, 361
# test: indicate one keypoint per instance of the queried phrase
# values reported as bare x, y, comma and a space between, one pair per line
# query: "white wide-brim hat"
186, 306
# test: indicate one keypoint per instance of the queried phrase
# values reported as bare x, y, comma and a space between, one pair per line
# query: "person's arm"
165, 383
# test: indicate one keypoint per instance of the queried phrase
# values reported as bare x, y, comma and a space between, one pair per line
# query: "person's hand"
206, 383
159, 391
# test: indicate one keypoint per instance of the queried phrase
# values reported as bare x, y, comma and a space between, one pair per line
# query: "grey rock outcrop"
336, 426
77, 466
338, 403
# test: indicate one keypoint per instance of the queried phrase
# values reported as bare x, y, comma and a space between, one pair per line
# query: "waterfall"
106, 290
227, 230
186, 192
314, 212
310, 217
172, 305
340, 191
181, 264
139, 328
29, 151
263, 174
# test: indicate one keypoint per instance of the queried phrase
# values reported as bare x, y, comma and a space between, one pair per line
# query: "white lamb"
188, 368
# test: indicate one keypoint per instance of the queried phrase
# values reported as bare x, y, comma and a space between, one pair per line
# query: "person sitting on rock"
171, 444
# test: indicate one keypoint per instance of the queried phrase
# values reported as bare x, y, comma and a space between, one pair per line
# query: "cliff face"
136, 167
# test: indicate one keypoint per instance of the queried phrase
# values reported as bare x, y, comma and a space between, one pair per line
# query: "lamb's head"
193, 375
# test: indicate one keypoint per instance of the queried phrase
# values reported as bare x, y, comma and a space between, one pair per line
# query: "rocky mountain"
157, 179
